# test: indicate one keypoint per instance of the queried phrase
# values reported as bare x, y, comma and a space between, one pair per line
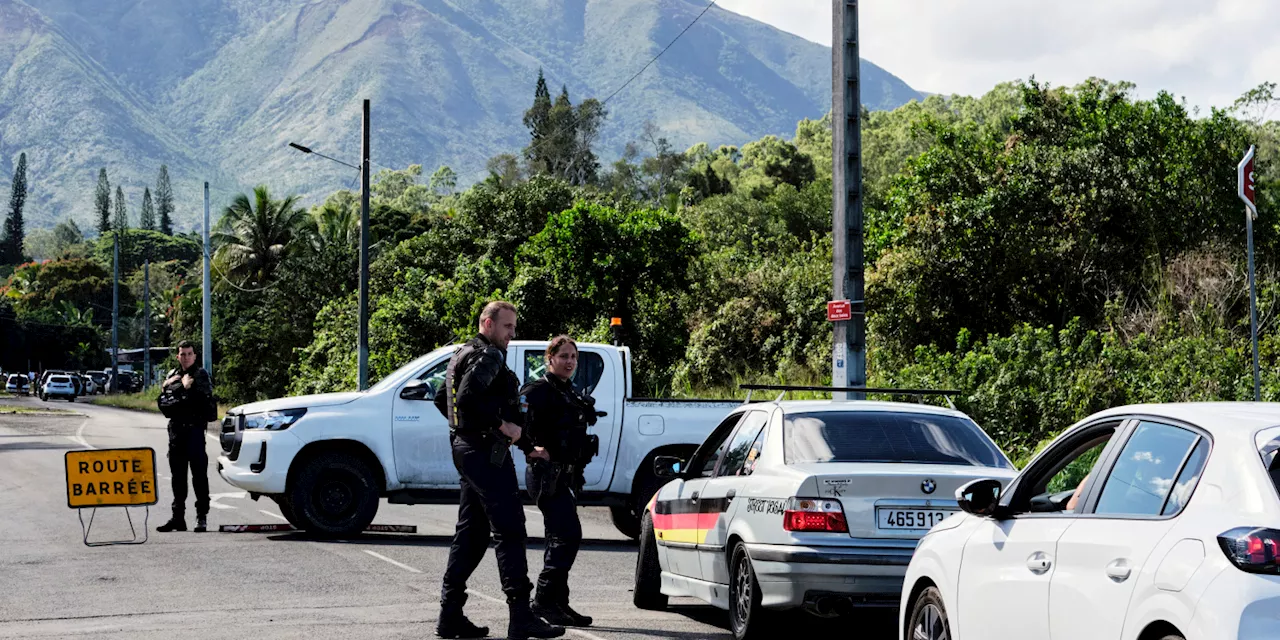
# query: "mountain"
217, 88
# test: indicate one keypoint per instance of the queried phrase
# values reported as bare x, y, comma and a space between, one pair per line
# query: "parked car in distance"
17, 383
59, 386
1144, 521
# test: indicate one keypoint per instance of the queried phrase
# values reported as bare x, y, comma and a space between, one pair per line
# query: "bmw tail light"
814, 514
1252, 549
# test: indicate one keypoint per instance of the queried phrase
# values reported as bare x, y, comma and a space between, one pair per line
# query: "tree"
443, 181
254, 236
504, 170
164, 201
121, 222
147, 218
538, 120
102, 202
561, 135
11, 245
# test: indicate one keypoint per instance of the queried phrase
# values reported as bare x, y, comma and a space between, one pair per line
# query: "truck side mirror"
417, 390
667, 467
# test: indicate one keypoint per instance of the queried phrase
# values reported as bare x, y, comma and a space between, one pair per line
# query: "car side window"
736, 455
435, 376
1187, 480
1145, 471
703, 464
585, 377
1058, 479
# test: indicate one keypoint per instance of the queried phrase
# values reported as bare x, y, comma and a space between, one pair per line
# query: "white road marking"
273, 515
485, 596
386, 559
78, 438
211, 436
588, 636
214, 497
533, 512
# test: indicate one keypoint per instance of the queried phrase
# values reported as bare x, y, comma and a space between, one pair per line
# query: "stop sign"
1248, 182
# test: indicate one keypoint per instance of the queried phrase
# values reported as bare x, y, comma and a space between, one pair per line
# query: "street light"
364, 240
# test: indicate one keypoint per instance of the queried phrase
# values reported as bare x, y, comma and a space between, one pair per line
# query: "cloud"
1208, 51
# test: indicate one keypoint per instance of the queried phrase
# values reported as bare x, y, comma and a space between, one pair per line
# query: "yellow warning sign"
111, 477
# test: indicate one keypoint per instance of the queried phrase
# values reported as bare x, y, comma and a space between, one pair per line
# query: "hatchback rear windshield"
884, 436
60, 379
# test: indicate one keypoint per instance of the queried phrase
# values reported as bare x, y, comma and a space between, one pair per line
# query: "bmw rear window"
886, 436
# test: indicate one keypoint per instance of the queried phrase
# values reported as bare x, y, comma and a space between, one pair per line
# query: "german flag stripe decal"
686, 520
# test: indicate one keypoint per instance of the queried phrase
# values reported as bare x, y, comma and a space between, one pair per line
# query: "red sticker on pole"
838, 310
1248, 182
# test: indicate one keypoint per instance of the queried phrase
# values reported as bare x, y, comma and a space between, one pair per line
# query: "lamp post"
364, 239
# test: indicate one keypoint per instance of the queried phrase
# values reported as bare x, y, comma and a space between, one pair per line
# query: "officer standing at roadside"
557, 421
186, 399
480, 401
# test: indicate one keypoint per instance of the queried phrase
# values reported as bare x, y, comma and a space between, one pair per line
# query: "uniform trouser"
563, 533
490, 501
186, 451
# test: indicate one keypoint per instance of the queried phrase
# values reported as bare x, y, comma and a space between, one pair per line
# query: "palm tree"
336, 222
254, 236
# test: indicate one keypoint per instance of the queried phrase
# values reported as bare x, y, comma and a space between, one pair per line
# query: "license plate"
921, 519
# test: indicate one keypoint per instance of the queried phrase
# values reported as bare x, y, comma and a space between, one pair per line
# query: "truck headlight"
273, 420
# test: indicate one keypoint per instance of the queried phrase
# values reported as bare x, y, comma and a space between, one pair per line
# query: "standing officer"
557, 424
186, 397
481, 403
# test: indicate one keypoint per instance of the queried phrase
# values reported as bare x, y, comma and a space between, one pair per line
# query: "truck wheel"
648, 584
335, 494
627, 518
286, 510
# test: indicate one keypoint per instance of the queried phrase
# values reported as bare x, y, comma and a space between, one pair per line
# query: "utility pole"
1247, 189
364, 251
206, 322
849, 357
115, 312
146, 324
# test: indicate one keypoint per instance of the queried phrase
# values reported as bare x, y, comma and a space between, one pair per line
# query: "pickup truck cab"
327, 459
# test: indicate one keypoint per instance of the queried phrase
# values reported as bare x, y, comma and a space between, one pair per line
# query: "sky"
1207, 51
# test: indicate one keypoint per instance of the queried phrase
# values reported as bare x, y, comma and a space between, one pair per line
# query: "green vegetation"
1047, 251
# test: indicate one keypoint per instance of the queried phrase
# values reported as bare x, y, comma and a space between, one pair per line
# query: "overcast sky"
1209, 51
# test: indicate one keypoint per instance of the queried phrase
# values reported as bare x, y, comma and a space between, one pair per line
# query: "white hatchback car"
813, 505
1145, 522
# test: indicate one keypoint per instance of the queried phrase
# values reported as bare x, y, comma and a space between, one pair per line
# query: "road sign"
1247, 181
838, 310
111, 478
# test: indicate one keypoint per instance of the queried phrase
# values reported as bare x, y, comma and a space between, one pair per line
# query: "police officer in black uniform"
186, 398
481, 402
556, 422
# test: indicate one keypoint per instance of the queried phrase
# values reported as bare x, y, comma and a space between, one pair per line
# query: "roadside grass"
16, 409
144, 400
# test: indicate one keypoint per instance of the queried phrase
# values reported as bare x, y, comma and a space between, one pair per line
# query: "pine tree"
102, 201
164, 201
538, 120
121, 222
11, 250
147, 218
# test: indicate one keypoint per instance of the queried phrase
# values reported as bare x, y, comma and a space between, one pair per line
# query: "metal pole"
1253, 310
146, 323
849, 358
364, 252
115, 312
207, 323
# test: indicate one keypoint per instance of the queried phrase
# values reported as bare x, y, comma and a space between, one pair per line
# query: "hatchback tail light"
1252, 549
814, 514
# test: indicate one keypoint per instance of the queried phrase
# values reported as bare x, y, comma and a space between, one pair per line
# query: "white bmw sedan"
806, 504
1146, 522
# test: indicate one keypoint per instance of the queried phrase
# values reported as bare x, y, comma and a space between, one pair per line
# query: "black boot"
524, 624
453, 624
559, 613
575, 619
176, 523
202, 524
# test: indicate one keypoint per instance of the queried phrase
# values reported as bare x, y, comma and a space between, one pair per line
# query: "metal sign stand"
102, 543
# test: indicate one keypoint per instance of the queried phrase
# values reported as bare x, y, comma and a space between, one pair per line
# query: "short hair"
557, 343
492, 309
187, 344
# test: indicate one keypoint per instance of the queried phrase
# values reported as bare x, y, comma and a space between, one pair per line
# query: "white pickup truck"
327, 459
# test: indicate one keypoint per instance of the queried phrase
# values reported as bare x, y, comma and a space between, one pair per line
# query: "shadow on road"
423, 540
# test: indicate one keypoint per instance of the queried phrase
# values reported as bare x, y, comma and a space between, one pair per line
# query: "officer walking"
556, 423
186, 398
481, 403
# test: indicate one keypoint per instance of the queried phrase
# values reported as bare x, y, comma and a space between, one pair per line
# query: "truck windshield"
886, 436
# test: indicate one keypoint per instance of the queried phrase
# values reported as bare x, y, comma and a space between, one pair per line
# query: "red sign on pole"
839, 310
1248, 183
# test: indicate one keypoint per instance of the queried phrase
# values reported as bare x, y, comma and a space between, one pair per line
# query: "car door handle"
1119, 570
1039, 563
732, 493
694, 497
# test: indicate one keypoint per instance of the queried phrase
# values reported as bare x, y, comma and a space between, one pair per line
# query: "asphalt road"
277, 585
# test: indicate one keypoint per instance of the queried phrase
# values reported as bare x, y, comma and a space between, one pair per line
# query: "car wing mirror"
417, 390
667, 467
980, 497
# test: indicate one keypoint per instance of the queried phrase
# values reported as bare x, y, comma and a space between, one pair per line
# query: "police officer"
186, 397
480, 401
556, 422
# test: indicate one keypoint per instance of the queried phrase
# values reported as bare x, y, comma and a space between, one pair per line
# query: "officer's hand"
187, 381
511, 431
540, 453
172, 379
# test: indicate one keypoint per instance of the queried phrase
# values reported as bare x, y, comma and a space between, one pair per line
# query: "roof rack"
918, 393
